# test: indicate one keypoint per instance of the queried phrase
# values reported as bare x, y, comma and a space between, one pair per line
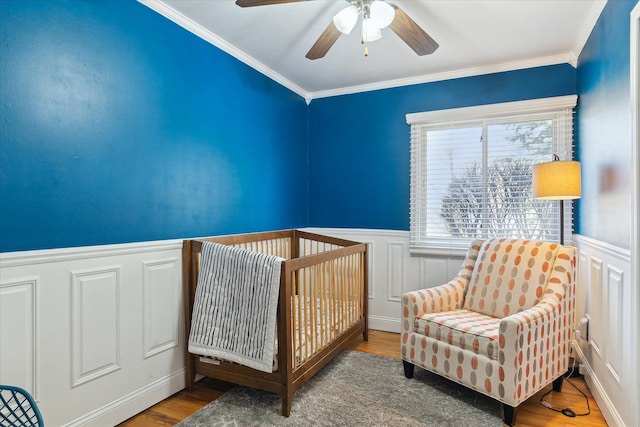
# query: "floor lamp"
557, 180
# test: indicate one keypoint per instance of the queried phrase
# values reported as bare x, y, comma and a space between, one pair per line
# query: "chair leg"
557, 383
408, 369
508, 414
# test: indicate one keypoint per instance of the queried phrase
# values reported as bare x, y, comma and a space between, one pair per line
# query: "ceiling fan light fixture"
370, 30
382, 13
346, 19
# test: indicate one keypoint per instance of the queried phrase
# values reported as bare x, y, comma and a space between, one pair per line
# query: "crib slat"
353, 295
317, 307
331, 304
344, 295
298, 330
346, 303
329, 318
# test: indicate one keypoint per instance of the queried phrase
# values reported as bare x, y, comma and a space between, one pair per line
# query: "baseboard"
133, 403
387, 324
607, 408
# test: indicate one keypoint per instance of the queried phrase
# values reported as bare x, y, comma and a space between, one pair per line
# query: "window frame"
554, 107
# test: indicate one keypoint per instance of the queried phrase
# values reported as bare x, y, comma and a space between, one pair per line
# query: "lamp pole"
562, 222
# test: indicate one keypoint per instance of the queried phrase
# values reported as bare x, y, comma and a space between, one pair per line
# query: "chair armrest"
534, 348
446, 297
523, 321
535, 343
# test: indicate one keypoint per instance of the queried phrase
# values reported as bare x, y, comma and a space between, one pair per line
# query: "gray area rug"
356, 389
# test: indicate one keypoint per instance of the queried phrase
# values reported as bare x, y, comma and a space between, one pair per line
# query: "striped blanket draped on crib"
234, 312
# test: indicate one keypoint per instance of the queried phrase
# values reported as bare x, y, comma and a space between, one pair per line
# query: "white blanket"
234, 312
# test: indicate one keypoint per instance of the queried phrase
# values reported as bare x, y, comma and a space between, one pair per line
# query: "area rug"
356, 389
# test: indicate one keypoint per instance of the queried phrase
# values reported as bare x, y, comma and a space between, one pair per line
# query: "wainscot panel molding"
18, 320
160, 298
93, 332
608, 354
395, 270
95, 323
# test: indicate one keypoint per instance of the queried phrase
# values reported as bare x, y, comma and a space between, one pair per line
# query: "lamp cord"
567, 411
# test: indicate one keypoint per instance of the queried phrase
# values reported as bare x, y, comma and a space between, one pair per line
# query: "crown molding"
198, 30
587, 28
450, 75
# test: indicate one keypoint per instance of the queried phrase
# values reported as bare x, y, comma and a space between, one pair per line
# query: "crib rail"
286, 244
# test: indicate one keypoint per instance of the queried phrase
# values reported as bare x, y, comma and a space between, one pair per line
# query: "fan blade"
324, 42
251, 3
412, 34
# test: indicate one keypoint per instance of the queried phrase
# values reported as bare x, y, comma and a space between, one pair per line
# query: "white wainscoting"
605, 296
95, 333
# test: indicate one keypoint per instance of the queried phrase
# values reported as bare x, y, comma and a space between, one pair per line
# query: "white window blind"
471, 173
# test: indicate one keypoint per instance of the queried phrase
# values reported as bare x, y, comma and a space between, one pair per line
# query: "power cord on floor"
567, 411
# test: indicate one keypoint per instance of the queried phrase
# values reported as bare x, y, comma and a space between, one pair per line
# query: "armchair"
502, 326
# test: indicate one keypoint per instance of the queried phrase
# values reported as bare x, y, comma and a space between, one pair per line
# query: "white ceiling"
475, 37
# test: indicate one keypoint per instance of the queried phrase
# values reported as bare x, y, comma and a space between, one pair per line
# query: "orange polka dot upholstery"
509, 276
466, 329
508, 354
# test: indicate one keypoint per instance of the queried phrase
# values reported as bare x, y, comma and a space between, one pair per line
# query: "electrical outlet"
574, 368
583, 329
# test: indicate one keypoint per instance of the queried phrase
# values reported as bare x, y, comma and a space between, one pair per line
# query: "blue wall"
604, 139
359, 144
119, 126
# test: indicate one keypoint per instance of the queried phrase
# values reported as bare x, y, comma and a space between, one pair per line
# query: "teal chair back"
17, 408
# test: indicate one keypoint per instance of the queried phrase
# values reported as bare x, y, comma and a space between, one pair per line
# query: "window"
471, 171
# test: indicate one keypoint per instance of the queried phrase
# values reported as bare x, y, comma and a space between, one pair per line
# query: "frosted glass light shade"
370, 31
382, 13
557, 180
346, 19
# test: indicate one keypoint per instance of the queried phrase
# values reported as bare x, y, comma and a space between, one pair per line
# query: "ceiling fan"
376, 15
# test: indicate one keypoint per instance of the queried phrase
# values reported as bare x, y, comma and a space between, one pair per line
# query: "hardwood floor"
529, 414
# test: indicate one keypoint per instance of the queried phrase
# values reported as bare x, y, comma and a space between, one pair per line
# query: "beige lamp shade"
557, 180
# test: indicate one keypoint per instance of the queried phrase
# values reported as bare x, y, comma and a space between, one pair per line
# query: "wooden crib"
327, 273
